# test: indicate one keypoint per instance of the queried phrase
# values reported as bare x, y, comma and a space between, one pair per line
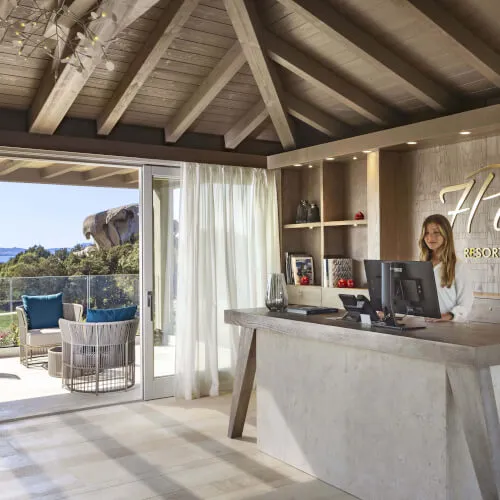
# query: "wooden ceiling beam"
249, 31
56, 95
316, 118
168, 28
97, 174
247, 124
218, 78
131, 178
328, 21
328, 81
66, 21
6, 8
472, 49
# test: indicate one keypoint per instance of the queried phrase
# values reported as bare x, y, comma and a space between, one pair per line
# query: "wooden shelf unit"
374, 184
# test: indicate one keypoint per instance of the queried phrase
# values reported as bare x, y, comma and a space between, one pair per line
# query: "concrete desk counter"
383, 416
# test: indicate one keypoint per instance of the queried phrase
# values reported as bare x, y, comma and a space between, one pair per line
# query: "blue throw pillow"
43, 311
109, 315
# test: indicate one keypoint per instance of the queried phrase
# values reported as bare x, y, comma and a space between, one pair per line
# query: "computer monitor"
402, 287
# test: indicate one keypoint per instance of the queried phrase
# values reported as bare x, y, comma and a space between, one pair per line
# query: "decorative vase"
276, 293
302, 212
313, 213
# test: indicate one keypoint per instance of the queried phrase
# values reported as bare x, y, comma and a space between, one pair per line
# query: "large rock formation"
113, 227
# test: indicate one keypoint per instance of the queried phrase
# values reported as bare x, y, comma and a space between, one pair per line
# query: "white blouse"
459, 297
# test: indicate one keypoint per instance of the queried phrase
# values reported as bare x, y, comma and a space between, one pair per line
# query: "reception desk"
383, 416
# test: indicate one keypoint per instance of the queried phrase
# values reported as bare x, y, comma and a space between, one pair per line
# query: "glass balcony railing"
101, 292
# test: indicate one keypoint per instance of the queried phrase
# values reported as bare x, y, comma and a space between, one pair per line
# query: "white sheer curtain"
228, 243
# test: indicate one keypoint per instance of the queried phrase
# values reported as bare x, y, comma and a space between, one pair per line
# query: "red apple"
304, 280
359, 216
342, 283
350, 283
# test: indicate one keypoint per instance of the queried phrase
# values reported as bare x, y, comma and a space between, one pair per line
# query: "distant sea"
5, 258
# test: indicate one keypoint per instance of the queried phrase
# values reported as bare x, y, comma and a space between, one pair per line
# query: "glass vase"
276, 293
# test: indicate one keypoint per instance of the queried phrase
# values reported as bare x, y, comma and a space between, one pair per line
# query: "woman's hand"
444, 317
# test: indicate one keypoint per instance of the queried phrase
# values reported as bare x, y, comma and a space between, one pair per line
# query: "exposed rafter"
316, 118
218, 78
58, 170
327, 20
76, 10
249, 31
473, 50
131, 178
98, 174
247, 124
332, 84
9, 166
167, 29
6, 8
55, 97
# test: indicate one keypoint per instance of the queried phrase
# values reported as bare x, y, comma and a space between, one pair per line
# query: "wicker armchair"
36, 343
98, 357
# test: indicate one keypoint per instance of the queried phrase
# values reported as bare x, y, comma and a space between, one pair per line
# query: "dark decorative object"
359, 216
313, 213
302, 212
276, 293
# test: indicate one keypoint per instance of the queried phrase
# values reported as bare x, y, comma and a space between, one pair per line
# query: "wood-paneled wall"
430, 170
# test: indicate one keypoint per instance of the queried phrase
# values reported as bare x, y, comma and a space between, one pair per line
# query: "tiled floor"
162, 449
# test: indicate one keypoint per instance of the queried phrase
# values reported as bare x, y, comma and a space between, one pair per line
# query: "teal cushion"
109, 315
43, 311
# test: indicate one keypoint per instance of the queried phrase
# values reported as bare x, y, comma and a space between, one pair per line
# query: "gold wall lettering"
481, 253
467, 188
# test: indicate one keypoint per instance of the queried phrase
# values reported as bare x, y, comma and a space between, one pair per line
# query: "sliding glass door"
160, 205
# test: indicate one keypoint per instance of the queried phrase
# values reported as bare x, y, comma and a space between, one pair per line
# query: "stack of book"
336, 268
298, 265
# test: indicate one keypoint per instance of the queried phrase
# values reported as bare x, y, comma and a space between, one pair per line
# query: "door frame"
159, 387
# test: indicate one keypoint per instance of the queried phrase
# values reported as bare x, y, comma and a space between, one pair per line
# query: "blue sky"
52, 216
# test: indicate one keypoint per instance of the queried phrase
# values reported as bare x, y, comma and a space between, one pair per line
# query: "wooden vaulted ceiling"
260, 69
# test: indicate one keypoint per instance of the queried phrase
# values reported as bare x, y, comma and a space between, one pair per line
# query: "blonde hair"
447, 255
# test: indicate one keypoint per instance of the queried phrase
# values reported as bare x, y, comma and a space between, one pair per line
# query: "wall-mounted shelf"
333, 223
305, 225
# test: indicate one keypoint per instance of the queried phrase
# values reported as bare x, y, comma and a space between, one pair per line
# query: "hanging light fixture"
64, 33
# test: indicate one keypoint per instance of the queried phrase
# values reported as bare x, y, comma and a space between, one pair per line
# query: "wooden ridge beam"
472, 49
218, 78
247, 124
316, 118
168, 28
56, 95
249, 31
328, 81
100, 173
330, 22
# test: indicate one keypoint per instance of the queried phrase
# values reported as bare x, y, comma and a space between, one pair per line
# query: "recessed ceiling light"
366, 151
330, 158
296, 164
310, 166
464, 132
354, 157
411, 143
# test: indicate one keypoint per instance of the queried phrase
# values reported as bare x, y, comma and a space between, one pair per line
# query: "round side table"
55, 361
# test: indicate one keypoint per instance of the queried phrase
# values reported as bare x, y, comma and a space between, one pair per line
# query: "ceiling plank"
327, 20
316, 118
56, 95
97, 174
247, 124
473, 50
167, 29
249, 31
218, 78
332, 84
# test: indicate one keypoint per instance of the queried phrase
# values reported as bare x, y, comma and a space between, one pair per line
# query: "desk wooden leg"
243, 381
473, 393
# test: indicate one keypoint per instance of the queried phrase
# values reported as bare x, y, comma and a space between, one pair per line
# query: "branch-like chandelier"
61, 29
